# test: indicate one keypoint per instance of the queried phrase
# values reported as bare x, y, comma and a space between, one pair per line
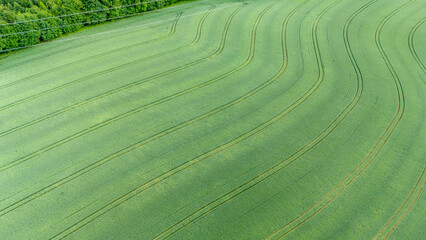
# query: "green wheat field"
221, 119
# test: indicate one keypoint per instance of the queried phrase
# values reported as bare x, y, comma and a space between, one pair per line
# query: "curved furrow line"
118, 153
376, 148
73, 136
413, 49
186, 165
402, 206
206, 209
171, 32
113, 69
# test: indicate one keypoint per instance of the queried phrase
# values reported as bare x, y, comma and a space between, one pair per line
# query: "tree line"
28, 22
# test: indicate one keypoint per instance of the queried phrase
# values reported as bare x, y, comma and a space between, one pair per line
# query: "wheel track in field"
385, 136
225, 198
406, 211
171, 33
174, 171
413, 49
116, 154
402, 206
110, 70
